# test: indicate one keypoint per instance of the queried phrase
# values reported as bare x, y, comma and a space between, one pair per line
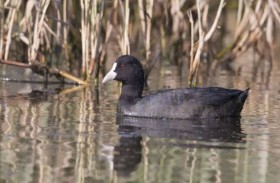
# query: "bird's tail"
243, 96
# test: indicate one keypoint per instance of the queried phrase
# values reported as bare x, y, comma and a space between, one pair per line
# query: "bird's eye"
122, 66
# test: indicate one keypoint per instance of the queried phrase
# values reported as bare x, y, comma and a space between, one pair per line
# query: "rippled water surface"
73, 135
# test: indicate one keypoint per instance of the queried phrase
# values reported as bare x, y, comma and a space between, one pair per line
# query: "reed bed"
151, 29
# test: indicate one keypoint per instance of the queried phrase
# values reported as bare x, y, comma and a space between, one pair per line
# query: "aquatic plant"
63, 37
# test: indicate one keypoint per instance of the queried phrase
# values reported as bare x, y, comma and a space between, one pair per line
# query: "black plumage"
210, 102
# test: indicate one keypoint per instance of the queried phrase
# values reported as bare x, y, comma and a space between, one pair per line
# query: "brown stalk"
96, 44
149, 8
126, 44
85, 36
192, 38
1, 28
176, 14
146, 14
273, 6
214, 25
10, 20
65, 18
269, 36
112, 21
241, 26
41, 68
142, 15
15, 63
59, 20
239, 11
38, 27
196, 61
123, 37
251, 28
205, 15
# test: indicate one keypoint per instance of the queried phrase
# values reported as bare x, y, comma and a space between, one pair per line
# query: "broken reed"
42, 26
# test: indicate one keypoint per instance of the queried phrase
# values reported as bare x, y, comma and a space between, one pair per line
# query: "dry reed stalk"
46, 27
2, 19
192, 38
38, 28
239, 12
126, 44
176, 14
112, 21
57, 5
269, 30
242, 23
40, 68
61, 73
205, 14
256, 22
214, 25
126, 29
85, 25
194, 69
146, 14
123, 29
96, 26
202, 12
65, 28
15, 63
25, 22
258, 6
142, 15
109, 28
13, 8
92, 15
269, 36
65, 19
149, 9
275, 9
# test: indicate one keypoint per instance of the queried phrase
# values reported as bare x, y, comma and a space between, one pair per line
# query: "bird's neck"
131, 92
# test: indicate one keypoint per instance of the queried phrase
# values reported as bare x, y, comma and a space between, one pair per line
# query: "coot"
184, 103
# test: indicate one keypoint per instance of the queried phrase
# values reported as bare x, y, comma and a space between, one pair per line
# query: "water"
73, 135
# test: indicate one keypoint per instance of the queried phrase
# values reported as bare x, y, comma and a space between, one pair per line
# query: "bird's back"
212, 102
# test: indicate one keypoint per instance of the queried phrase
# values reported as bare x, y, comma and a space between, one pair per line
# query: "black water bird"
183, 103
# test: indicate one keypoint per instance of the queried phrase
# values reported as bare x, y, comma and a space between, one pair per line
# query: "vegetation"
52, 37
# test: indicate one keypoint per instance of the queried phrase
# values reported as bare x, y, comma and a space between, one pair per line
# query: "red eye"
122, 66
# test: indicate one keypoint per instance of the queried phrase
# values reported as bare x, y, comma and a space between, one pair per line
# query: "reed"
85, 36
146, 14
2, 17
13, 8
187, 27
96, 36
123, 28
202, 36
38, 29
255, 27
196, 60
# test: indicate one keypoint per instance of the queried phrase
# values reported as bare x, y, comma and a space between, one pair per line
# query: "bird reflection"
127, 155
132, 129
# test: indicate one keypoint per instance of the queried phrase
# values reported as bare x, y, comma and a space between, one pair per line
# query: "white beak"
111, 74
